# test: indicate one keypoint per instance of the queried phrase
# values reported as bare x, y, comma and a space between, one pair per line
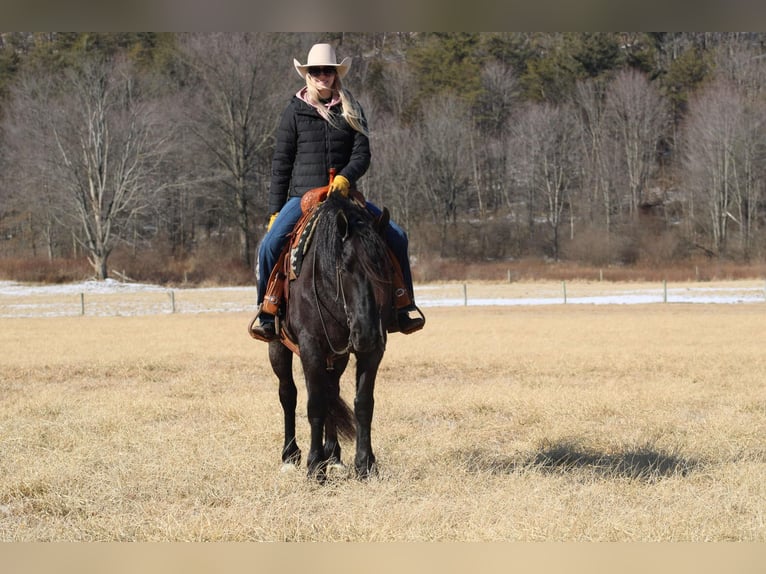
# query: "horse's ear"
382, 221
342, 222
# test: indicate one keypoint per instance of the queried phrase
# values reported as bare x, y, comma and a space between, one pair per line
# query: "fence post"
82, 303
465, 295
564, 286
664, 290
172, 301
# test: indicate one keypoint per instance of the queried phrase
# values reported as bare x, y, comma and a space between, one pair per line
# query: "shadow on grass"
644, 463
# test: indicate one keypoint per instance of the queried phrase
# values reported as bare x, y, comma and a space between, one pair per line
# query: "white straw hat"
322, 55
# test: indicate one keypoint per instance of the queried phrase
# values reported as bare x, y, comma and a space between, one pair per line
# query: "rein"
340, 291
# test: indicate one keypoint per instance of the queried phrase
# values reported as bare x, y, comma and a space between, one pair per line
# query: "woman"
323, 127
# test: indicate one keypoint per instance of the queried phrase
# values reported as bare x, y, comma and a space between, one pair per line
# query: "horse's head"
363, 272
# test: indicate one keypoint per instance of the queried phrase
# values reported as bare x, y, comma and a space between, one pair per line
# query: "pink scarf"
303, 95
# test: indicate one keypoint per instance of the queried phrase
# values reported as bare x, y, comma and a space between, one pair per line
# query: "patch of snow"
105, 287
35, 300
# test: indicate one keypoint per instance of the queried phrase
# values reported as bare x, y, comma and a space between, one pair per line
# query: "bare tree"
638, 116
398, 87
595, 144
99, 144
724, 162
240, 87
394, 172
544, 144
445, 162
492, 114
27, 172
743, 64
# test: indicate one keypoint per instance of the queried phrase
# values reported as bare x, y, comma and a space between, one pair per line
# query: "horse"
340, 304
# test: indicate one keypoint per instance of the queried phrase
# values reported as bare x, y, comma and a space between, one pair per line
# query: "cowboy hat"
322, 55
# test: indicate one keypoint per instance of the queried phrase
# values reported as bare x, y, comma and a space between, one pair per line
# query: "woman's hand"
341, 185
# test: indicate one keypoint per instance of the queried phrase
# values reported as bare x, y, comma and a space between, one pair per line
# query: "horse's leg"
316, 373
282, 363
317, 413
331, 444
364, 404
332, 449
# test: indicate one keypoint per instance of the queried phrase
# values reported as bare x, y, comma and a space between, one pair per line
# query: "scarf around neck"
303, 95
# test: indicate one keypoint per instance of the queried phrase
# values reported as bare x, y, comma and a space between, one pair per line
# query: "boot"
409, 324
265, 331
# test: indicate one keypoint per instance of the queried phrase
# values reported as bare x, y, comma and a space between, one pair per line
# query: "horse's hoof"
319, 476
366, 472
288, 467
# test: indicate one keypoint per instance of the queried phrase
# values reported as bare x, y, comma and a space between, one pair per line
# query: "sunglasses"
318, 70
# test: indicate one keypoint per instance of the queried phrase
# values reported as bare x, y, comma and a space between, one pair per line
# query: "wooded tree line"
600, 147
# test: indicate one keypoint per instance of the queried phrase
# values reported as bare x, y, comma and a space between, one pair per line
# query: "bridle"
342, 293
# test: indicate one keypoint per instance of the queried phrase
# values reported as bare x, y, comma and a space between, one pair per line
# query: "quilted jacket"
307, 146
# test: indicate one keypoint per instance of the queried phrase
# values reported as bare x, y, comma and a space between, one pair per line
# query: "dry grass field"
548, 423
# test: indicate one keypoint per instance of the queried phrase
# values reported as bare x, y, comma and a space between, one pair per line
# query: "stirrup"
415, 324
257, 332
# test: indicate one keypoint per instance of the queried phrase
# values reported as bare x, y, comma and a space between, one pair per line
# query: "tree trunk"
99, 264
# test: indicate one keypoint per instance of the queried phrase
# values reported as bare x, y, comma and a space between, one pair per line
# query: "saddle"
290, 261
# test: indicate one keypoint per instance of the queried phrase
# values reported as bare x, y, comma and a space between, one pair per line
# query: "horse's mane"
370, 249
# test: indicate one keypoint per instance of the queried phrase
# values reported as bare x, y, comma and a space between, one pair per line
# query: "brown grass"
212, 267
537, 269
551, 423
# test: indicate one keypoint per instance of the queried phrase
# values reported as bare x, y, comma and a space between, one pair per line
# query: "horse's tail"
342, 417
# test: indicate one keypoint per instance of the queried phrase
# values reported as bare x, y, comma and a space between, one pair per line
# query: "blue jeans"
274, 241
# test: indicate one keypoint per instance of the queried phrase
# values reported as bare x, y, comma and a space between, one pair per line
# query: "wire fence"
125, 299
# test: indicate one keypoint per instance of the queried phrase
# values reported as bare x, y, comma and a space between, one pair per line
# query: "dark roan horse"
340, 304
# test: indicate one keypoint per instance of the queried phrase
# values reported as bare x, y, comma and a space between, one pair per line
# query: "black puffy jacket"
308, 146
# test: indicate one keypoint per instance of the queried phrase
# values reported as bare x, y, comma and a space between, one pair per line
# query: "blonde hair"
352, 110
